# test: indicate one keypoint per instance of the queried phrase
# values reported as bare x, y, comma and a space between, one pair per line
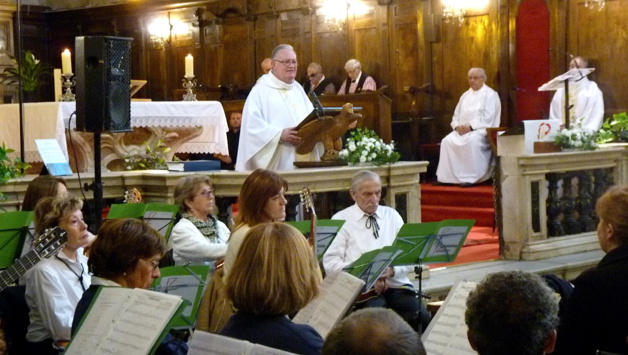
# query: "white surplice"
466, 158
587, 105
271, 107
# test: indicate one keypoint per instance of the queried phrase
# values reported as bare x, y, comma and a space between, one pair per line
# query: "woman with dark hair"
198, 237
41, 187
125, 254
274, 275
261, 200
596, 312
55, 285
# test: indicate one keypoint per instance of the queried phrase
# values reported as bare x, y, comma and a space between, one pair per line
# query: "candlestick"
66, 61
68, 83
189, 83
189, 66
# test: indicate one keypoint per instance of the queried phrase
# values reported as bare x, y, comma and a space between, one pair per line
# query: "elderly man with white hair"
358, 81
465, 154
585, 98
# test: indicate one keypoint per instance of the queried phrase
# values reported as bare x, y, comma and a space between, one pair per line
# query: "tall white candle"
189, 66
66, 62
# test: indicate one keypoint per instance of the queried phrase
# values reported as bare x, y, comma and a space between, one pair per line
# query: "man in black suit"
317, 82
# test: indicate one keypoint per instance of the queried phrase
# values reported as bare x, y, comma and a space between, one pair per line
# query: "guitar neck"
312, 239
19, 268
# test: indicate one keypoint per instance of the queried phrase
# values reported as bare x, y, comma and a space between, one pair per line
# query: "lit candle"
66, 62
189, 66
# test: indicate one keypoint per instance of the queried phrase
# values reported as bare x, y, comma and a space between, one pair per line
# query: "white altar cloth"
48, 119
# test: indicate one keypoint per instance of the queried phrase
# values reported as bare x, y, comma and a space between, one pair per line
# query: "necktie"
371, 223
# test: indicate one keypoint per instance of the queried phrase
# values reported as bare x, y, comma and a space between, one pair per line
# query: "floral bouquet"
577, 139
364, 146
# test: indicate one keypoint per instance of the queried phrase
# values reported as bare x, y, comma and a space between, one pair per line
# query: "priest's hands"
290, 136
463, 129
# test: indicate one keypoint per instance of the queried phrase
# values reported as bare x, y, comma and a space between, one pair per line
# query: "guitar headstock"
49, 242
307, 199
133, 196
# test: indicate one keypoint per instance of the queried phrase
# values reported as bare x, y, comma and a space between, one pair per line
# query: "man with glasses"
317, 82
358, 81
275, 106
465, 154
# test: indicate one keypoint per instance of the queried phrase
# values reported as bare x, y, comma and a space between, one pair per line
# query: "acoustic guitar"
308, 205
46, 245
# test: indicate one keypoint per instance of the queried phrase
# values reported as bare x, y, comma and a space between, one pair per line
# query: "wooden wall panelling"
406, 49
237, 54
602, 38
368, 41
292, 25
330, 49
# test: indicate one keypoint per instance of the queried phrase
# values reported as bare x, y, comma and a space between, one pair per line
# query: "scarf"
209, 229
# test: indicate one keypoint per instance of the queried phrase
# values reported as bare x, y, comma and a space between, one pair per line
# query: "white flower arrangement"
576, 138
364, 146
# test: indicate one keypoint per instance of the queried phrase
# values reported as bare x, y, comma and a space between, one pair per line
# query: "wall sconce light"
335, 14
159, 31
454, 10
595, 4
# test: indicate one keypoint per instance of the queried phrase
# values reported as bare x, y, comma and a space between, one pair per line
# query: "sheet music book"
203, 343
559, 81
53, 157
370, 265
125, 321
326, 231
447, 332
337, 295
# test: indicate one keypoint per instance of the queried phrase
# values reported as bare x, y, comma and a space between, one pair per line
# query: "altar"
185, 127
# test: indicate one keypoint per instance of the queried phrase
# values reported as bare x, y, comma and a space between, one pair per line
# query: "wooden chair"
491, 134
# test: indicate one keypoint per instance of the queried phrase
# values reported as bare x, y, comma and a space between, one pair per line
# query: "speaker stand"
96, 186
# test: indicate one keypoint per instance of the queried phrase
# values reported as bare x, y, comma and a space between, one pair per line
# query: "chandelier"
593, 4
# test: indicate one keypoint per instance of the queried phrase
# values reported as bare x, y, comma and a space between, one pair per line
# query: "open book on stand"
125, 321
337, 295
203, 343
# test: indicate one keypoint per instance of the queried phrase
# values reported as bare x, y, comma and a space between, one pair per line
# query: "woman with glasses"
198, 237
55, 285
125, 254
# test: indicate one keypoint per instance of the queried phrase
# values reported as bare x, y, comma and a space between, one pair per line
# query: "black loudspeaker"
103, 84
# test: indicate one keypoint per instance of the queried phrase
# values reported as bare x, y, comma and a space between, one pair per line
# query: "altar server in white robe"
465, 154
275, 106
585, 99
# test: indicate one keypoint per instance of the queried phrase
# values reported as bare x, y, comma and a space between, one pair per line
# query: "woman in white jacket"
198, 237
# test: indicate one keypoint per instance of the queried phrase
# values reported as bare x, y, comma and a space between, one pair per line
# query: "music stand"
13, 228
189, 282
370, 265
563, 81
326, 231
160, 216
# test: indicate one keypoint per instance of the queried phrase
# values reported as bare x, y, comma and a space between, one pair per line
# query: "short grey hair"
582, 62
315, 66
353, 64
373, 331
187, 187
511, 312
480, 71
280, 48
362, 176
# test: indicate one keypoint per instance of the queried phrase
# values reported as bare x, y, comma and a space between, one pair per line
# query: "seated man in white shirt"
357, 81
369, 226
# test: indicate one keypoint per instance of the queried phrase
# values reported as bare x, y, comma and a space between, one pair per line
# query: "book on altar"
337, 294
125, 321
203, 343
447, 332
194, 165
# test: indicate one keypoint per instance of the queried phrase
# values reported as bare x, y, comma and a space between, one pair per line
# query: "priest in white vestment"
465, 154
275, 106
585, 100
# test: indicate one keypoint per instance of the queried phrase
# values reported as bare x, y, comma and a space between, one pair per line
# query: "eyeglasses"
154, 264
313, 75
288, 62
207, 193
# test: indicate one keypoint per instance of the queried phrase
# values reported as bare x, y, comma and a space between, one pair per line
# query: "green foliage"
10, 168
31, 71
152, 158
364, 146
576, 138
614, 130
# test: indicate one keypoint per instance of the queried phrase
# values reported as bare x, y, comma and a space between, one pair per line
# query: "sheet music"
185, 286
447, 332
124, 321
447, 241
337, 294
203, 343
